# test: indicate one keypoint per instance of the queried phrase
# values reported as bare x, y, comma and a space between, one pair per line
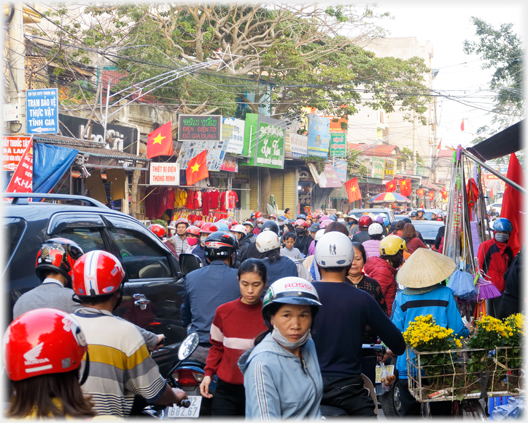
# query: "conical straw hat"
425, 268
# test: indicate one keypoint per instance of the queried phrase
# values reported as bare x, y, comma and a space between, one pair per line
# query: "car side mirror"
189, 262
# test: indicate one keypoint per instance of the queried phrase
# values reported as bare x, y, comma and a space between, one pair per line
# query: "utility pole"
17, 76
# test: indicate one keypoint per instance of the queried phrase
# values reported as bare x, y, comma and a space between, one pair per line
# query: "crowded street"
262, 212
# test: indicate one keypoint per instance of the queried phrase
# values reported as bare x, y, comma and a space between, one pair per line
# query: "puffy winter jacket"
384, 273
361, 237
372, 248
243, 245
494, 259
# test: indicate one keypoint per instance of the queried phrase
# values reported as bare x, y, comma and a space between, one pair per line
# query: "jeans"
229, 400
349, 394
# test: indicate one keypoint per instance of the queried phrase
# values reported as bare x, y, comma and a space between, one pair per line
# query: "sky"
447, 25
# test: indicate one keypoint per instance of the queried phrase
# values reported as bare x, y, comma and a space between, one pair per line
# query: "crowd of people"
281, 306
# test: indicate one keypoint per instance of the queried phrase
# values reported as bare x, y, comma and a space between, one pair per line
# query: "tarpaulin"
501, 144
50, 162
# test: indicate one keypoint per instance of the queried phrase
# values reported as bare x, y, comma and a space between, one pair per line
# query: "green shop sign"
337, 144
264, 140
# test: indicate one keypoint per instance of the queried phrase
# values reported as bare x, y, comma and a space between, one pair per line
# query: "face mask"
203, 238
300, 231
502, 237
192, 241
259, 225
281, 340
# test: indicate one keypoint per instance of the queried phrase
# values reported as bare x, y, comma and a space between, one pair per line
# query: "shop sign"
233, 133
199, 128
341, 169
318, 135
230, 164
42, 109
338, 144
299, 145
378, 167
12, 151
389, 169
164, 174
22, 180
119, 137
266, 144
329, 178
216, 152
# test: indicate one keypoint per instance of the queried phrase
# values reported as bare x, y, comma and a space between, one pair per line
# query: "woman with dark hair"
235, 326
268, 246
43, 353
397, 228
282, 377
337, 227
411, 239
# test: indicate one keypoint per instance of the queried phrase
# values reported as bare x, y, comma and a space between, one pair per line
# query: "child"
289, 250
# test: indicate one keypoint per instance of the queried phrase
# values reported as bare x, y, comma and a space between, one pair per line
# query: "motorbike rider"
192, 235
424, 294
159, 231
211, 286
249, 228
268, 245
199, 249
364, 222
353, 225
120, 364
234, 328
339, 330
280, 221
180, 239
52, 390
282, 378
495, 257
303, 240
240, 232
375, 232
313, 230
420, 214
384, 268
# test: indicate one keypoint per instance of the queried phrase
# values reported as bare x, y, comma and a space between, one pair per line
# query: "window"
140, 255
88, 239
13, 229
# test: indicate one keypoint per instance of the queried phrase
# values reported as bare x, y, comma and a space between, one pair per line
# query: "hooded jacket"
278, 384
384, 273
494, 259
243, 245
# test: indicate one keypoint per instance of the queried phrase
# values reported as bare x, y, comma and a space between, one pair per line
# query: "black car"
153, 291
428, 229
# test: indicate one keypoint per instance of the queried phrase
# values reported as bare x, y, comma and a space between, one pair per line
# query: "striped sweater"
120, 363
234, 328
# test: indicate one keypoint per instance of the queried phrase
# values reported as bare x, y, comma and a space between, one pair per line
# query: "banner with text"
337, 144
341, 169
318, 135
233, 133
216, 152
12, 151
378, 167
329, 178
22, 180
389, 169
199, 127
164, 174
266, 146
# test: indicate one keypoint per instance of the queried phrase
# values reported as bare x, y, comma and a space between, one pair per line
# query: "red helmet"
193, 230
199, 223
364, 221
57, 255
301, 222
97, 273
258, 214
272, 215
208, 228
181, 220
234, 223
158, 230
43, 341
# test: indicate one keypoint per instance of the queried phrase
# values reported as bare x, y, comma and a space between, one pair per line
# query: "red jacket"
494, 259
383, 272
414, 244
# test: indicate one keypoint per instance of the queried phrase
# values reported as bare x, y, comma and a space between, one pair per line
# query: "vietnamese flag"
159, 142
391, 186
491, 194
197, 168
405, 187
431, 195
462, 125
444, 194
420, 193
352, 189
512, 204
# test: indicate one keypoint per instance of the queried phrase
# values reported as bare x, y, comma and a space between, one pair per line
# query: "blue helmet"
301, 216
333, 217
386, 221
502, 225
283, 218
222, 226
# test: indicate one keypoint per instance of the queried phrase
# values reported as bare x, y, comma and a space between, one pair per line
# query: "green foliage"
355, 164
317, 160
406, 156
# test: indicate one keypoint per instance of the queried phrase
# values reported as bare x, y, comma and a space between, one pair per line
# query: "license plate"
390, 369
188, 413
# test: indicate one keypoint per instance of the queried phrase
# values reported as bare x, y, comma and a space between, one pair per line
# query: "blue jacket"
205, 290
277, 385
280, 269
439, 302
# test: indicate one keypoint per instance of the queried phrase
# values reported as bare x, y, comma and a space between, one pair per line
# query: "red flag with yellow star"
159, 142
405, 187
197, 168
352, 189
391, 186
420, 193
431, 194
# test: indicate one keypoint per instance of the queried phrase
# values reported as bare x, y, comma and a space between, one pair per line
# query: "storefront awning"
501, 144
339, 194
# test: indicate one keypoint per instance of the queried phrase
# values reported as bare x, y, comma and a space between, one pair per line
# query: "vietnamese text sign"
341, 169
42, 111
378, 167
12, 151
199, 127
216, 152
318, 135
230, 164
266, 142
234, 135
338, 144
298, 145
22, 180
389, 169
329, 178
164, 174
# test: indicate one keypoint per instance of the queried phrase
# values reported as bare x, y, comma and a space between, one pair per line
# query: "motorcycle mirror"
189, 262
188, 346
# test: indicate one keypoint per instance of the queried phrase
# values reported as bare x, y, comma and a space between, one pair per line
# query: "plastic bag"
462, 285
387, 378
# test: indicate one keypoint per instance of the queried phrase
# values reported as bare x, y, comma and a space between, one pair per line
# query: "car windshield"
428, 231
358, 214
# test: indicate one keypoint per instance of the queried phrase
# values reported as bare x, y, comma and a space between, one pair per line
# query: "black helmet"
406, 220
220, 245
270, 225
57, 255
414, 213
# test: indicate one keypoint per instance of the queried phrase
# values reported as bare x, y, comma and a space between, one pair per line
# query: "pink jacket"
372, 248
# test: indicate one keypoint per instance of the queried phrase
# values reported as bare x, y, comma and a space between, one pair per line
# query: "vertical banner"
378, 167
233, 133
13, 149
318, 135
341, 169
22, 179
265, 140
338, 144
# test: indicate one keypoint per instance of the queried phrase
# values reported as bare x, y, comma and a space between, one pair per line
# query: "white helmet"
241, 229
382, 215
267, 241
334, 249
319, 234
375, 229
